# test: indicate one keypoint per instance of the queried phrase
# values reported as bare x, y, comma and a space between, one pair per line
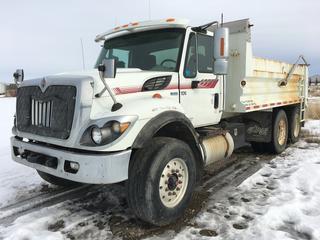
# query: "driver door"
200, 89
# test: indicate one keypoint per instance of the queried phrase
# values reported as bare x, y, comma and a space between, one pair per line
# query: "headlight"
98, 136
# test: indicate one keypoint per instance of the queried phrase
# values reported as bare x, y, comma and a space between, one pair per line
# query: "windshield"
156, 50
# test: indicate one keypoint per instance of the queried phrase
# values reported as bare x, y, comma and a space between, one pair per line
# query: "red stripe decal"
204, 84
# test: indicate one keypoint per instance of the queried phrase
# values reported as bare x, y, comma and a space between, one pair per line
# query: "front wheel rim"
173, 182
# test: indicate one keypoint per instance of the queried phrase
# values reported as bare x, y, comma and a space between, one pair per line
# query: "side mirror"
18, 76
221, 51
108, 68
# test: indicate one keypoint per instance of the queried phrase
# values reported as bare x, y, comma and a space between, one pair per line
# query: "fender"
158, 122
179, 122
164, 119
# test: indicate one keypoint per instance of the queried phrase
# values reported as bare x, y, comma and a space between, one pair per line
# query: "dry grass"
313, 110
314, 91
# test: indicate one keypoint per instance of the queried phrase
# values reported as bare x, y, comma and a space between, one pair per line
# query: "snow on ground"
15, 180
280, 201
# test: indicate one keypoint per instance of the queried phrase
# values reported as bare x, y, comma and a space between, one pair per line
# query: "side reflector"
156, 95
221, 47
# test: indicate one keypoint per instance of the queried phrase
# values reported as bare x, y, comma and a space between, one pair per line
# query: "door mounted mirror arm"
108, 70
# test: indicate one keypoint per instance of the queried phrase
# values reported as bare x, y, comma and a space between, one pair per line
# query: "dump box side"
252, 83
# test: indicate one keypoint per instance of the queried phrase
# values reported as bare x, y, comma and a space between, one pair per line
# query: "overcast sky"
43, 37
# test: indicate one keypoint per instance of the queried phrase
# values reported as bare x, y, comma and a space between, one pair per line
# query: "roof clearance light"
170, 20
124, 26
135, 24
116, 28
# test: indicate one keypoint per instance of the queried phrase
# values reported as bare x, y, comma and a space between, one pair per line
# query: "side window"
121, 56
190, 67
205, 53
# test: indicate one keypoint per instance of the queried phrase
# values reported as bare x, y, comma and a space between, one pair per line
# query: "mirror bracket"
108, 70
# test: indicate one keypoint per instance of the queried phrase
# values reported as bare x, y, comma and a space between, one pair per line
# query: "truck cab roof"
143, 26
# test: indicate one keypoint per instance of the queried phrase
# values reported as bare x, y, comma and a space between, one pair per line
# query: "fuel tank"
217, 147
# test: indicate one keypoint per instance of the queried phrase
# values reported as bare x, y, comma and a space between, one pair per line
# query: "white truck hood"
126, 80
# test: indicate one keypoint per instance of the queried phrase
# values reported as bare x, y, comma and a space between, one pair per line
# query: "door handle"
216, 100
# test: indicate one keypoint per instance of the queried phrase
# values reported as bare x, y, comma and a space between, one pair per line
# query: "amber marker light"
124, 126
221, 46
157, 95
170, 20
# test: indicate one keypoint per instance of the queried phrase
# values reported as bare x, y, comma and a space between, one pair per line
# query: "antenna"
221, 19
82, 50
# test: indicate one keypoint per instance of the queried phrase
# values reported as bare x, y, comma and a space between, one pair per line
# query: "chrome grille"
41, 112
49, 113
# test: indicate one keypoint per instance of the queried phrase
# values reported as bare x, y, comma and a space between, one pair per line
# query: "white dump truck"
163, 101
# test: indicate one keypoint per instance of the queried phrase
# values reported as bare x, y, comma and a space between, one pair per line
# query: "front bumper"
94, 168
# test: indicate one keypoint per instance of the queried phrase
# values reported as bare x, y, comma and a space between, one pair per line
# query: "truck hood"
126, 86
126, 83
126, 80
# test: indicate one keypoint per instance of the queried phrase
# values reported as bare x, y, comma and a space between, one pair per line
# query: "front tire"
57, 181
161, 180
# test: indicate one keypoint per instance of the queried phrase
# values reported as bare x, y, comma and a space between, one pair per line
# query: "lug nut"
178, 189
179, 175
169, 193
179, 182
177, 170
166, 189
174, 193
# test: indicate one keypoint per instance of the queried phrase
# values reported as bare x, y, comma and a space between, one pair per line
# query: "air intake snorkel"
108, 70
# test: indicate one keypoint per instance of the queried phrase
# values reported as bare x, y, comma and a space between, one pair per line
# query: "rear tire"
162, 177
294, 124
279, 132
57, 181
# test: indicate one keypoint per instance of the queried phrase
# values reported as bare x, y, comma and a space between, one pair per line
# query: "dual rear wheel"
285, 128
